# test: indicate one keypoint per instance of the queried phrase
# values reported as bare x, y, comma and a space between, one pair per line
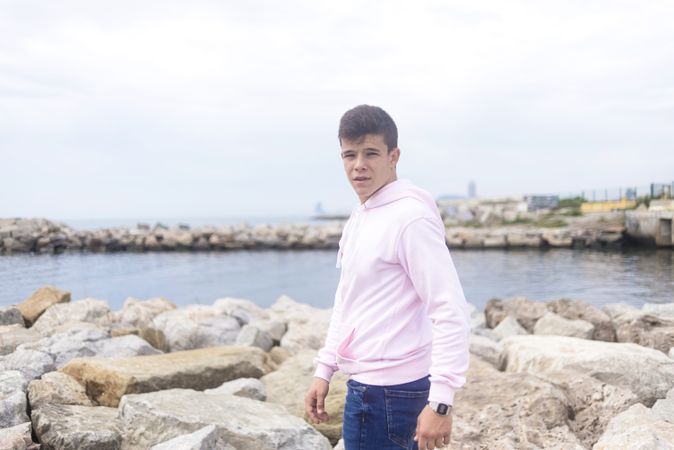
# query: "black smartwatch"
442, 409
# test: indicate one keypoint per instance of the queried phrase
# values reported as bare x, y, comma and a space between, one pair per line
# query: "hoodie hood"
397, 190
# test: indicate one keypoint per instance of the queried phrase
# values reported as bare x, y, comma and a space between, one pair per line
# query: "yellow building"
608, 206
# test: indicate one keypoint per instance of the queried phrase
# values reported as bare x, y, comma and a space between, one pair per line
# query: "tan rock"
526, 312
580, 310
107, 379
288, 386
153, 336
496, 410
57, 388
139, 313
74, 427
39, 301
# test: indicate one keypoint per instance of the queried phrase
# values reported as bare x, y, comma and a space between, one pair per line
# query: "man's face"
368, 164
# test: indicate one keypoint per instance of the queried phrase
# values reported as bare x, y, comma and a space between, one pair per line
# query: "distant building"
536, 202
472, 189
662, 190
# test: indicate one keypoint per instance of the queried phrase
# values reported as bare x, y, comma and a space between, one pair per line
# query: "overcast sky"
194, 109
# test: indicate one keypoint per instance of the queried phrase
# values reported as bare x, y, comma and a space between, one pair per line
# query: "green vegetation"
550, 221
573, 202
517, 221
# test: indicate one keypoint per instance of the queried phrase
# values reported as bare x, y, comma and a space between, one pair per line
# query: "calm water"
310, 276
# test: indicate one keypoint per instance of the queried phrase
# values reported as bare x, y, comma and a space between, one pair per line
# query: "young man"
400, 321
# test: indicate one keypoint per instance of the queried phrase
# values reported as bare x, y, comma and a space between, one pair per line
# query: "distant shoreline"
41, 236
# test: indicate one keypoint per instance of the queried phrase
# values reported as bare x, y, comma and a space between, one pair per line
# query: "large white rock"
86, 310
637, 429
243, 387
11, 336
73, 427
508, 327
17, 437
31, 363
156, 417
648, 373
140, 313
12, 398
251, 335
662, 310
206, 438
197, 326
243, 310
125, 346
485, 348
307, 326
554, 324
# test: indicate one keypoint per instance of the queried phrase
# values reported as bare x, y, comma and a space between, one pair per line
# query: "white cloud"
205, 108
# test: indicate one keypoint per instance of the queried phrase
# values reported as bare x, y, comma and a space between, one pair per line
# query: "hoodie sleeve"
424, 256
326, 364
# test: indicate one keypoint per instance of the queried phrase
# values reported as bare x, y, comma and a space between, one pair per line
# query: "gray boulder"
509, 326
647, 373
243, 387
637, 428
243, 310
11, 336
251, 335
196, 326
485, 348
12, 398
526, 312
17, 437
74, 427
307, 326
87, 310
580, 310
11, 315
554, 324
206, 438
140, 313
153, 418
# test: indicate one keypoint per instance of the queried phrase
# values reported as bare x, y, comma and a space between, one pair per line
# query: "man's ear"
395, 155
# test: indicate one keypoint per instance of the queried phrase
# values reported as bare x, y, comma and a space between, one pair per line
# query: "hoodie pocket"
345, 360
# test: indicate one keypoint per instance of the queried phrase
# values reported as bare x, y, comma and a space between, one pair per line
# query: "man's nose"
360, 162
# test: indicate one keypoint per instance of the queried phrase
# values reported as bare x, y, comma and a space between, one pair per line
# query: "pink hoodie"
399, 310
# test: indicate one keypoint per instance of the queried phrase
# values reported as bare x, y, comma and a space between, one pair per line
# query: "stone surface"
39, 301
307, 326
196, 326
646, 372
56, 388
274, 328
158, 416
12, 398
74, 427
645, 329
107, 379
496, 410
554, 324
279, 355
206, 438
477, 319
526, 312
663, 409
593, 402
140, 313
11, 336
11, 315
615, 309
17, 437
580, 310
243, 310
31, 363
152, 336
340, 445
252, 336
636, 429
125, 346
662, 310
243, 387
509, 326
288, 385
485, 348
87, 310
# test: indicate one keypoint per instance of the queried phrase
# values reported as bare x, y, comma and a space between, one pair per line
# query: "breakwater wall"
42, 236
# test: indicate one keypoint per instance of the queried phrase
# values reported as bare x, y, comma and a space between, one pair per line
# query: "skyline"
167, 109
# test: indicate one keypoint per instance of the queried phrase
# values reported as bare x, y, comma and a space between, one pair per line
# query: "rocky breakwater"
43, 236
232, 375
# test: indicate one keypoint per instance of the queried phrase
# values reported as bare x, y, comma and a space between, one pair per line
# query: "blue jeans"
383, 417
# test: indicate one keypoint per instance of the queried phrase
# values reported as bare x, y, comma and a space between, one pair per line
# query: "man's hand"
433, 430
314, 402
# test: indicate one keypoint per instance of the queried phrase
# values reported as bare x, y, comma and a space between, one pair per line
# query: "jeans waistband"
421, 384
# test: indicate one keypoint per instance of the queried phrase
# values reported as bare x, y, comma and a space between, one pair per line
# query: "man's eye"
372, 154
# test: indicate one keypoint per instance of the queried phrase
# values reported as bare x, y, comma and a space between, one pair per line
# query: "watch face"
442, 408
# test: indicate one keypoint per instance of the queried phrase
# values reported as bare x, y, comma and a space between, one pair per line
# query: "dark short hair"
366, 119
